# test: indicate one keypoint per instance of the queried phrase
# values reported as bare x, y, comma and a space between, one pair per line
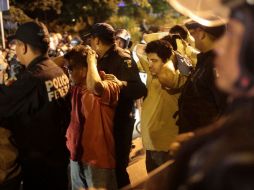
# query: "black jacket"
119, 63
200, 102
36, 110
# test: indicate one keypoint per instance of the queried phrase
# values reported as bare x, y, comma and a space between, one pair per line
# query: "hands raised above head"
91, 55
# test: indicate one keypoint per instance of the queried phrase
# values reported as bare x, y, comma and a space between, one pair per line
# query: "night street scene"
126, 95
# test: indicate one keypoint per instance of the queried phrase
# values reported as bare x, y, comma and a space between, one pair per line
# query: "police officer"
35, 109
118, 65
123, 39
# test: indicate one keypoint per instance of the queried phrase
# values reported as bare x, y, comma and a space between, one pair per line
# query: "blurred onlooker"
36, 111
76, 40
60, 45
143, 26
9, 168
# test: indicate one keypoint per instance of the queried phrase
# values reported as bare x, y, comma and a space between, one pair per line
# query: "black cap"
102, 30
34, 33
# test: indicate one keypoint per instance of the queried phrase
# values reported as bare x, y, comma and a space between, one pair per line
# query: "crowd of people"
66, 106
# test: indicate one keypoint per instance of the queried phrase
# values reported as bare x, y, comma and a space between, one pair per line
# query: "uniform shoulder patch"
128, 62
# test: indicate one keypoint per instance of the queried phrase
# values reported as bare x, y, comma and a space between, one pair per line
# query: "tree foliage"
44, 10
18, 15
80, 14
99, 10
45, 5
160, 7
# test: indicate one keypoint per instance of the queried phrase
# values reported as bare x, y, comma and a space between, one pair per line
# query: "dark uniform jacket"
35, 109
200, 102
119, 63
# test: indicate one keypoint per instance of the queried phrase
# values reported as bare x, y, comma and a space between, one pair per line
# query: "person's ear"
23, 47
198, 34
97, 41
201, 34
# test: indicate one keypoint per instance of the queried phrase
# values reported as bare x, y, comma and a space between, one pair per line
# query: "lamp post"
4, 6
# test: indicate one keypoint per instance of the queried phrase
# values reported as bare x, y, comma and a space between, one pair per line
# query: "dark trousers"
41, 176
155, 158
123, 141
13, 184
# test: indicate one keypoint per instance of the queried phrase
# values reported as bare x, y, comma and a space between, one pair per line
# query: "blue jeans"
77, 178
83, 175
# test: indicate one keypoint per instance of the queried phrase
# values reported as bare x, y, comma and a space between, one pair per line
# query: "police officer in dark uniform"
123, 39
201, 102
118, 65
36, 110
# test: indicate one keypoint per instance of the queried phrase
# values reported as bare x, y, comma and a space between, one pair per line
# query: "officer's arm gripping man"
135, 88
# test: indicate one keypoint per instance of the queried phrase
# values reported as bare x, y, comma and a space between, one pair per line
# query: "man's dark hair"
182, 31
42, 48
77, 56
172, 40
161, 47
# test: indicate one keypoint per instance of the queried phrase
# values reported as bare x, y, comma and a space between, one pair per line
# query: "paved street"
137, 169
